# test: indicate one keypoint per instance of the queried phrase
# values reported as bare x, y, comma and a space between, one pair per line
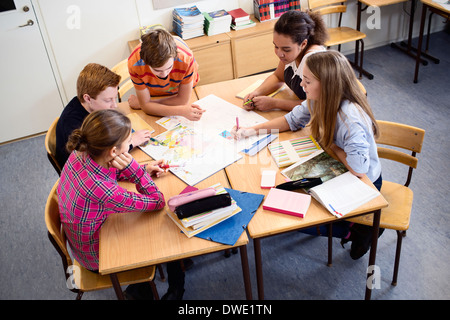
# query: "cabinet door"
254, 54
214, 63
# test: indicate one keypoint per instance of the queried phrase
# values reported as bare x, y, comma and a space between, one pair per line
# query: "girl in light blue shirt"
341, 120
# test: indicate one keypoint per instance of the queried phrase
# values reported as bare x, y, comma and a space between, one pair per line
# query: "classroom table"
266, 223
427, 5
406, 48
134, 240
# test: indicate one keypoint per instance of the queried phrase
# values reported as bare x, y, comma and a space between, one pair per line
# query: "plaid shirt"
88, 193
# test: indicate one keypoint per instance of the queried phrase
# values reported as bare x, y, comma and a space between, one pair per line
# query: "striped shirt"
184, 71
88, 193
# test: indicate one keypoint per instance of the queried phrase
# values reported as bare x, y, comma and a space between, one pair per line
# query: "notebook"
290, 151
253, 86
287, 202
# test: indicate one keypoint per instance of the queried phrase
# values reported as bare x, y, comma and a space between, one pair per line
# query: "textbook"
343, 194
253, 86
340, 192
137, 123
287, 202
288, 152
217, 22
205, 220
188, 22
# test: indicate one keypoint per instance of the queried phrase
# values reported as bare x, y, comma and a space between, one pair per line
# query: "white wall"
84, 31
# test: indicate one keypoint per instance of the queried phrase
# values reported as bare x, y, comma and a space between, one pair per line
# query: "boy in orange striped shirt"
163, 65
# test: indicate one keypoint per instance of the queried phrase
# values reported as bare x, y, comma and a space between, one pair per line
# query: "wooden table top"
245, 174
132, 240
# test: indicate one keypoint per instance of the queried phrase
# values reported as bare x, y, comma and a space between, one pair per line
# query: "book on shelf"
188, 22
200, 222
238, 15
217, 22
340, 192
266, 10
288, 152
248, 24
288, 202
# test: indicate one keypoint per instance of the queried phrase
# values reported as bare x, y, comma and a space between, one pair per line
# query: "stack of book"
217, 22
240, 19
266, 10
188, 22
195, 224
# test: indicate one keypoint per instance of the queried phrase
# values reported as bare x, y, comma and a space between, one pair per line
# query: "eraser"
268, 179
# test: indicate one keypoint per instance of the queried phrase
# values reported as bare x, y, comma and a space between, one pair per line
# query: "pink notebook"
287, 202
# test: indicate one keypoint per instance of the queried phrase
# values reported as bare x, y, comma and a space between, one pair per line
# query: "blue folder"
229, 231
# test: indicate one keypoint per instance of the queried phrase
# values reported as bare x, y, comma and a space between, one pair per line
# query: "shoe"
361, 238
188, 263
173, 294
138, 291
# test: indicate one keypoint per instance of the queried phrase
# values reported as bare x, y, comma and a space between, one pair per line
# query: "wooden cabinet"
234, 54
252, 49
213, 55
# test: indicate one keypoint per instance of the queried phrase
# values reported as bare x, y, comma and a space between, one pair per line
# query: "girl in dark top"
296, 35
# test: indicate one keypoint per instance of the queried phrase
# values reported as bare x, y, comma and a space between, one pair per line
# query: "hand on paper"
140, 137
121, 161
193, 112
154, 168
242, 132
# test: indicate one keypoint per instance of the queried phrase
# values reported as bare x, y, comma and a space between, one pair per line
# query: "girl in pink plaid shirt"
88, 190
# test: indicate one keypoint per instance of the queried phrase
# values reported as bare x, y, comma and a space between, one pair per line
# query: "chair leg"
397, 256
79, 295
161, 273
154, 290
330, 244
361, 61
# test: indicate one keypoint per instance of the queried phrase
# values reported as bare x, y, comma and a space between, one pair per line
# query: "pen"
248, 101
237, 123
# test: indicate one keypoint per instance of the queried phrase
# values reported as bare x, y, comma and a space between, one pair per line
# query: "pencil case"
202, 205
300, 184
183, 198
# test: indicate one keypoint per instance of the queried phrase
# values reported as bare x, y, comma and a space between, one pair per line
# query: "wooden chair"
401, 140
340, 35
125, 82
79, 279
50, 146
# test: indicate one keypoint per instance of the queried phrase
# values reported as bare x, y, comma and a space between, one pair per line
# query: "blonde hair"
157, 47
337, 83
101, 130
93, 79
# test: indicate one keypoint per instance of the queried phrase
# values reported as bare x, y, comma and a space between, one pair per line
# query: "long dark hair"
299, 25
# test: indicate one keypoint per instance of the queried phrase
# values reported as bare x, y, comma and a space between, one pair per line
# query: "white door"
29, 95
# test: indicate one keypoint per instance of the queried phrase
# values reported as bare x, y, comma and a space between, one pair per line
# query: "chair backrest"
125, 82
400, 136
327, 6
50, 145
55, 232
